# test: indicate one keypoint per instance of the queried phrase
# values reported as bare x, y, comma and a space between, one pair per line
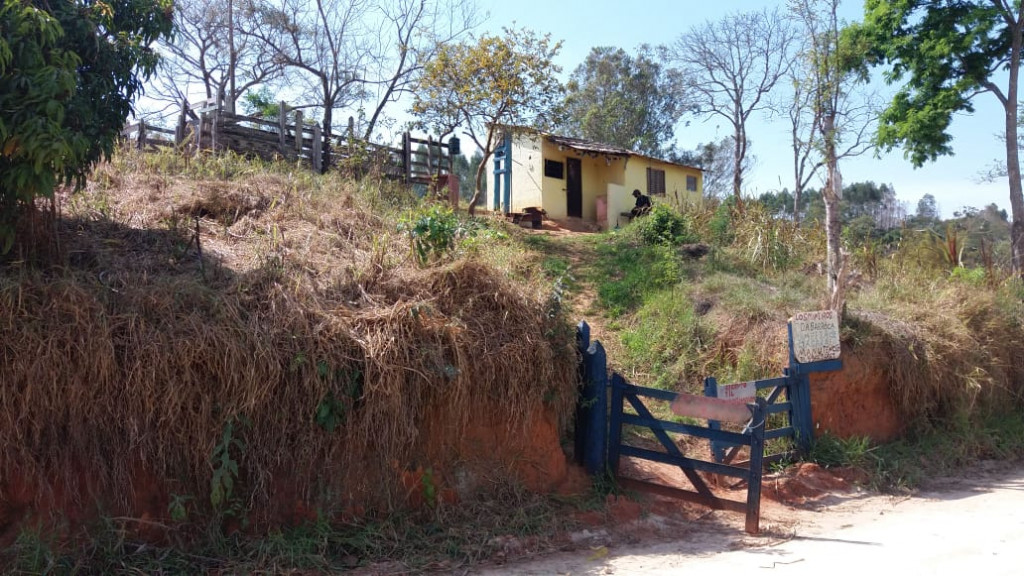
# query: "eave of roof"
588, 146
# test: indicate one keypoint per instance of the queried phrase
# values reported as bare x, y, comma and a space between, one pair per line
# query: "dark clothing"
643, 206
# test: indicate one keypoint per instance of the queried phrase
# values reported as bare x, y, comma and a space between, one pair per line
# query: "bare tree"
800, 111
841, 115
407, 36
715, 159
208, 57
322, 44
731, 67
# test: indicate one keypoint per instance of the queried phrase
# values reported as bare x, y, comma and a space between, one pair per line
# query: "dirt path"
970, 524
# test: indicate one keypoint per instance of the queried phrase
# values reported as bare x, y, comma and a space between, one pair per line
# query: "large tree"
322, 43
629, 101
213, 54
839, 119
731, 66
69, 75
487, 87
948, 52
407, 36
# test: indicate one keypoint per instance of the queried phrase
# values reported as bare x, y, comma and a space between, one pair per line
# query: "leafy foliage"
506, 80
663, 225
69, 72
433, 231
627, 101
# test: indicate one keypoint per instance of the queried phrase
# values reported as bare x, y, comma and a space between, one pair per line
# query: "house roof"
591, 147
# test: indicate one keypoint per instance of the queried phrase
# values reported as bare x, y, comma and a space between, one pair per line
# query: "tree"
496, 84
830, 59
69, 74
626, 101
466, 169
408, 35
212, 51
927, 210
800, 111
731, 66
715, 159
948, 52
322, 42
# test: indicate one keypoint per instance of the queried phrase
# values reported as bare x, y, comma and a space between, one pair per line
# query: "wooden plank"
667, 443
688, 429
686, 464
710, 408
678, 493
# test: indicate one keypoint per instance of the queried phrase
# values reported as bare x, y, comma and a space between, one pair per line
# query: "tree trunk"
1013, 157
480, 171
832, 194
739, 150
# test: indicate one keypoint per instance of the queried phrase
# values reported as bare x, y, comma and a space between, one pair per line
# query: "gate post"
759, 413
580, 439
595, 406
717, 447
798, 392
615, 422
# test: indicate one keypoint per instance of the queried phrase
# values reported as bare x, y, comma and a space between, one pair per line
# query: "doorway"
573, 188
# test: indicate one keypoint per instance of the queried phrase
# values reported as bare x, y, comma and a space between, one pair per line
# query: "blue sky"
952, 180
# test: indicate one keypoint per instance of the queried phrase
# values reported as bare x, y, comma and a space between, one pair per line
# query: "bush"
720, 224
433, 230
663, 226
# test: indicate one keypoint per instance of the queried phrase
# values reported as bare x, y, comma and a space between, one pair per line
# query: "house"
574, 178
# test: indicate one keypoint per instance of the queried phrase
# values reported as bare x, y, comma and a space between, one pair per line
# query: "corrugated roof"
587, 146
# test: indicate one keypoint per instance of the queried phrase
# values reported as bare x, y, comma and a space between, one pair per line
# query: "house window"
554, 169
655, 182
691, 183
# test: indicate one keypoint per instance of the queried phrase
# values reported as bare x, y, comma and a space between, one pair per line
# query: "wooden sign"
710, 408
815, 336
741, 392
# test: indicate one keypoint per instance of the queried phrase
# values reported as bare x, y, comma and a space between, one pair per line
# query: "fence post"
595, 397
298, 134
282, 126
759, 413
317, 148
140, 141
615, 422
798, 391
711, 391
407, 156
213, 129
582, 344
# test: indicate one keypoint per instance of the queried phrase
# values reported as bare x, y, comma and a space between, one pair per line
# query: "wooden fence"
290, 136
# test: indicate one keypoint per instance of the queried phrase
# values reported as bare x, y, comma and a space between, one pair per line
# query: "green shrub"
663, 226
433, 229
720, 225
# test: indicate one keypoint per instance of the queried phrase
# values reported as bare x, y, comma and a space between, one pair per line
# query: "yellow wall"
612, 177
595, 175
675, 180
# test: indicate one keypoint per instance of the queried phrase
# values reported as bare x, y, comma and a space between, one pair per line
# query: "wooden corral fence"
290, 136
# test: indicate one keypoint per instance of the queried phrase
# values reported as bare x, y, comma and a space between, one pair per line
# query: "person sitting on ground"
643, 204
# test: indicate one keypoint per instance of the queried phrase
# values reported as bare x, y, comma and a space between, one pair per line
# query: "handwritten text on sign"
742, 392
815, 336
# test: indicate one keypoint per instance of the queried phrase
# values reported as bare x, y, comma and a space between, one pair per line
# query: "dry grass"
951, 349
135, 346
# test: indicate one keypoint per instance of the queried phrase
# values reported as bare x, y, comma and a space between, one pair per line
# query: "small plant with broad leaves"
433, 230
225, 469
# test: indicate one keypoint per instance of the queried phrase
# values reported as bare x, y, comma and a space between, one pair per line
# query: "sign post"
813, 347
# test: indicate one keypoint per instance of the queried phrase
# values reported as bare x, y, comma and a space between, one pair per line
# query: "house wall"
621, 198
527, 173
612, 178
596, 174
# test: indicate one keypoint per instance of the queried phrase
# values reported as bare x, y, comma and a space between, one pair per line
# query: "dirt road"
972, 524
